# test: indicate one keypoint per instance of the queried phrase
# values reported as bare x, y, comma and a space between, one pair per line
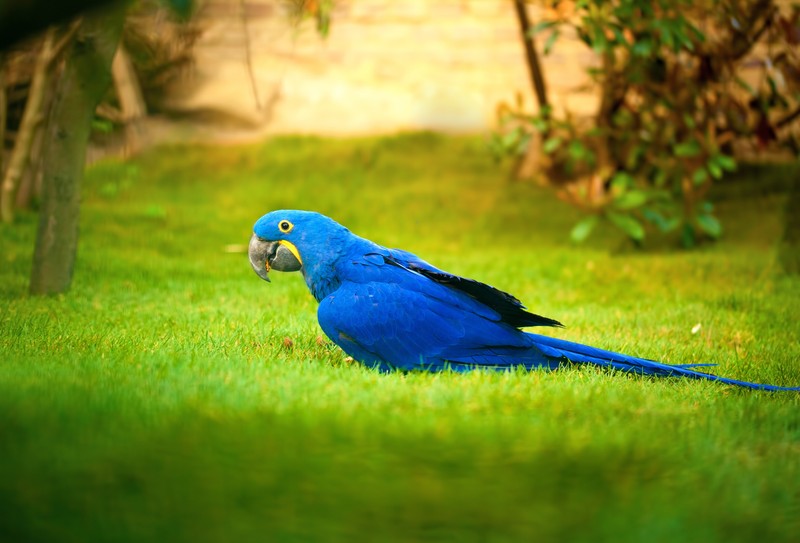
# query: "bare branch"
31, 117
788, 118
65, 40
248, 57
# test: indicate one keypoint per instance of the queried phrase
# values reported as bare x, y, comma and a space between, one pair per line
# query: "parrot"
392, 311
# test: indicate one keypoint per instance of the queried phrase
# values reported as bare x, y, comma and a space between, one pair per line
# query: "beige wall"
387, 65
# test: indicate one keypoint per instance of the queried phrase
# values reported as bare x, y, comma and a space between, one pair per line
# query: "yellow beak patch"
289, 245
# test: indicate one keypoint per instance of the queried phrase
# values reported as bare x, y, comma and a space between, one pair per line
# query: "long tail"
576, 352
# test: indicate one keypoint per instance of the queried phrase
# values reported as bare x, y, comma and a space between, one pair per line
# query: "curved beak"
266, 255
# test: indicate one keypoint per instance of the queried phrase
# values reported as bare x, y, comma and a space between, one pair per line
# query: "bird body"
391, 310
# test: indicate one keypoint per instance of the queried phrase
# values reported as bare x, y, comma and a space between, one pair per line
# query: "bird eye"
285, 226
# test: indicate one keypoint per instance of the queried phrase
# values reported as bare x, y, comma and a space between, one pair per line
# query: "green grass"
173, 396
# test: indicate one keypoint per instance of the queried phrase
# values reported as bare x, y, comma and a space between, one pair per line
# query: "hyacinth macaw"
391, 310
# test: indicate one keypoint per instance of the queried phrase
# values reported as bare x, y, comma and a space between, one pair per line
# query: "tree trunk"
3, 111
86, 76
534, 67
531, 162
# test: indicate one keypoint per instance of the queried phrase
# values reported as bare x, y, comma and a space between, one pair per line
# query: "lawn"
173, 396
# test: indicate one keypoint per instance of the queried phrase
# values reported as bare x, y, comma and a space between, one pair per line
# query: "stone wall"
386, 66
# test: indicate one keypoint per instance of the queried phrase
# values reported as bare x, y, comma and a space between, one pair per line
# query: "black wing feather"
510, 308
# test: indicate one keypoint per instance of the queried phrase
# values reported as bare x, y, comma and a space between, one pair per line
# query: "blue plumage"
391, 310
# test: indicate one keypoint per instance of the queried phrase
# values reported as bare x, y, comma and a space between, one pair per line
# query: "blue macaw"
391, 310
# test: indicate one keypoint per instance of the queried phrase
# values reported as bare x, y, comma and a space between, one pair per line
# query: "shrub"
675, 108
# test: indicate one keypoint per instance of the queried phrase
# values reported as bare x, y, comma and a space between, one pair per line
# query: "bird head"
289, 240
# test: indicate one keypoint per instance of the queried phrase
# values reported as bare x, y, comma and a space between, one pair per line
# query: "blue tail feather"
577, 352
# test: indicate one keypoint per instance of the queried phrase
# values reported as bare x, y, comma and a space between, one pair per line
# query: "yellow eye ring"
285, 226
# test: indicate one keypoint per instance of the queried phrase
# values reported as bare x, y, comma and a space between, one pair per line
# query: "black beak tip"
268, 255
258, 253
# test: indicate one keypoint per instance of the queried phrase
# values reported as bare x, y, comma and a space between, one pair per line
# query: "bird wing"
389, 314
509, 307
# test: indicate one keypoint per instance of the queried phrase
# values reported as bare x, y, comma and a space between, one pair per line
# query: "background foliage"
678, 104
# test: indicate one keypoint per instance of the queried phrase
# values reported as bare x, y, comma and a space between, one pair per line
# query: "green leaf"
686, 149
621, 181
642, 48
635, 156
577, 149
551, 40
631, 199
726, 162
627, 224
584, 227
659, 195
710, 225
700, 176
597, 132
522, 145
538, 28
595, 73
103, 126
551, 144
622, 118
510, 140
599, 41
714, 169
670, 224
686, 41
182, 8
745, 85
653, 216
666, 36
697, 34
687, 236
323, 23
619, 37
664, 223
660, 177
539, 124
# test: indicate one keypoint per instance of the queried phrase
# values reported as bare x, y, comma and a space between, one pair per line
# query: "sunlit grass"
173, 396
